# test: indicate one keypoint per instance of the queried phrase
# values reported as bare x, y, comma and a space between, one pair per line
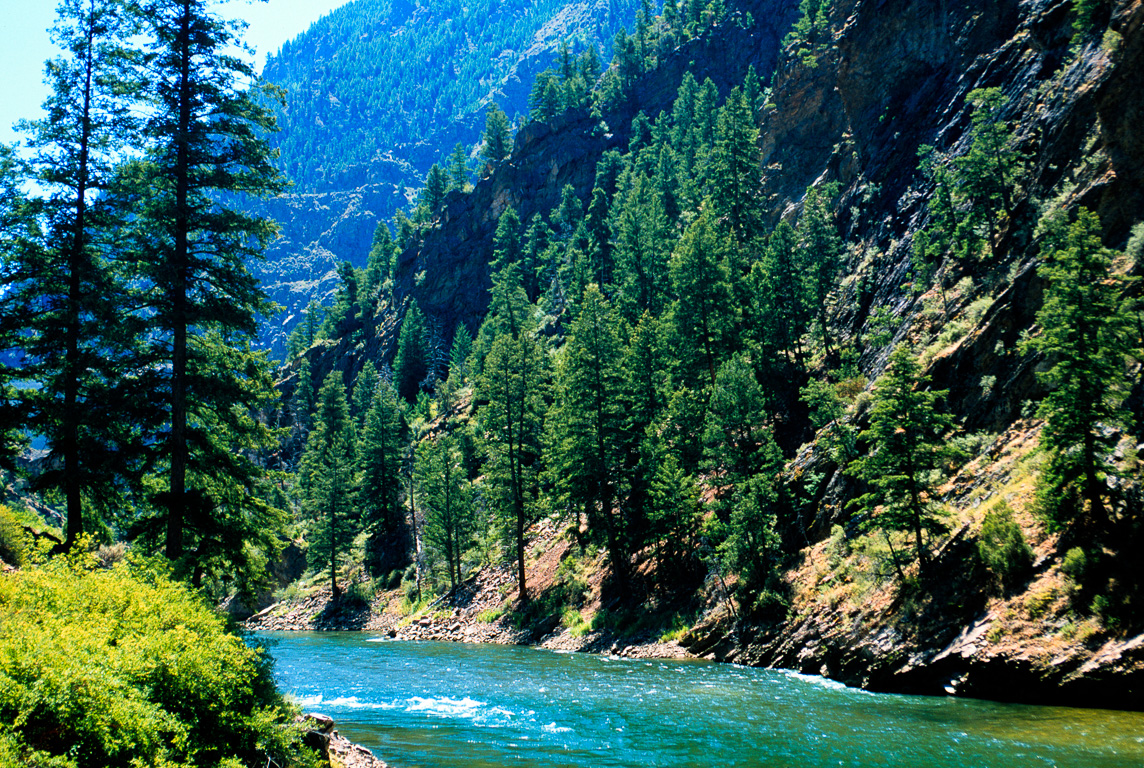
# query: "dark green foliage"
643, 237
445, 498
365, 386
380, 453
987, 172
807, 36
752, 547
513, 383
1085, 336
459, 354
822, 250
411, 364
459, 168
110, 668
827, 417
673, 510
646, 362
497, 140
305, 396
436, 186
736, 189
1088, 15
328, 480
906, 439
703, 316
506, 241
1002, 547
206, 136
585, 448
781, 312
736, 434
68, 297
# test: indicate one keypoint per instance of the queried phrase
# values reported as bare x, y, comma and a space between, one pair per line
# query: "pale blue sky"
24, 44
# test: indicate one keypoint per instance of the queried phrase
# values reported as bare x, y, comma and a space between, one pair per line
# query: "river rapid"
423, 705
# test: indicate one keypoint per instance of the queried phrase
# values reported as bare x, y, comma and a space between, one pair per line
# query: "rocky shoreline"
337, 750
469, 616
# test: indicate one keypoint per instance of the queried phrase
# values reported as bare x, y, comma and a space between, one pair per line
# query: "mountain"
376, 92
958, 153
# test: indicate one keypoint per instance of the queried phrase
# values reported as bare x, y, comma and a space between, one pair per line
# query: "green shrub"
1002, 547
13, 540
124, 667
360, 593
1074, 564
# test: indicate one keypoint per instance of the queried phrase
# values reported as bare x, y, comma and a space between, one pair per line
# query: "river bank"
958, 632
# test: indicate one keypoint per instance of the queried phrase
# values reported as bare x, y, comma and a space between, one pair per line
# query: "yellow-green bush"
13, 540
124, 667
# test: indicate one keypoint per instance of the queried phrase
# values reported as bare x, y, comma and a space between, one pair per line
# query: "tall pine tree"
328, 480
205, 131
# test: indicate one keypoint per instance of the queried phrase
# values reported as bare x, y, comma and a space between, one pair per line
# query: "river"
423, 705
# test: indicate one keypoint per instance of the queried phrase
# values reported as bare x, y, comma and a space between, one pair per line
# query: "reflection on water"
419, 705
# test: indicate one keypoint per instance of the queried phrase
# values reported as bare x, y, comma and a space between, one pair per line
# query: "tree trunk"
176, 513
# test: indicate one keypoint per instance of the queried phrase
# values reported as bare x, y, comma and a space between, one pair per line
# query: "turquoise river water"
422, 705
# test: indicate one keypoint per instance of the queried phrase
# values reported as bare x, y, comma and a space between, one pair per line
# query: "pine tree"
328, 479
534, 254
459, 354
1086, 337
205, 133
645, 375
497, 138
365, 385
506, 240
734, 172
380, 453
643, 247
459, 168
445, 496
436, 187
18, 231
78, 328
512, 381
736, 433
906, 439
987, 172
305, 400
821, 250
752, 547
673, 509
782, 295
586, 446
703, 312
411, 363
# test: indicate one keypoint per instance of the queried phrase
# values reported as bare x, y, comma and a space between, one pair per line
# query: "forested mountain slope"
822, 316
376, 92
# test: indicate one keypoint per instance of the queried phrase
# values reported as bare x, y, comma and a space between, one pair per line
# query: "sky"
25, 45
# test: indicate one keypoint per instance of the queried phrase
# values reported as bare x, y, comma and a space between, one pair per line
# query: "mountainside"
377, 91
934, 166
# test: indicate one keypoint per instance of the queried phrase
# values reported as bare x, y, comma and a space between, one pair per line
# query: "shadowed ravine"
441, 704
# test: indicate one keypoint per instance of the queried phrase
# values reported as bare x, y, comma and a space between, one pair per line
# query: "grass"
489, 615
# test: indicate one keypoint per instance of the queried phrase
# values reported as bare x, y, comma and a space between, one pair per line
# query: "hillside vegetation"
777, 315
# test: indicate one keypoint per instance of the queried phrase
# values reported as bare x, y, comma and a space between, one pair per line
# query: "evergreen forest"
748, 360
